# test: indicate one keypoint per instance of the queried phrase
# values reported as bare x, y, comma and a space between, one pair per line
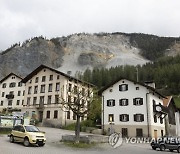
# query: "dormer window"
111, 102
123, 87
124, 117
138, 101
123, 102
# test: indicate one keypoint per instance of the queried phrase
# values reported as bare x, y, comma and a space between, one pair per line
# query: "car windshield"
31, 129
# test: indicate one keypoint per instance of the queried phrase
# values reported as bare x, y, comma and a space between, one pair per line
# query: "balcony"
10, 96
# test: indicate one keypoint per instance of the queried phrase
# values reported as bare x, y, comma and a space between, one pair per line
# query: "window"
1, 103
75, 90
22, 102
124, 132
57, 77
138, 101
20, 84
49, 100
23, 92
138, 117
124, 117
69, 99
43, 78
13, 77
57, 86
34, 100
111, 102
111, 118
48, 115
111, 90
75, 99
3, 94
70, 87
83, 92
74, 116
137, 88
12, 84
56, 99
36, 80
123, 87
18, 102
41, 101
29, 90
68, 114
19, 93
11, 93
4, 85
35, 89
155, 119
55, 114
50, 88
50, 77
139, 132
123, 102
10, 103
28, 101
42, 88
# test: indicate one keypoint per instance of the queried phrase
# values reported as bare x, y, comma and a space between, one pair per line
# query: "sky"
24, 19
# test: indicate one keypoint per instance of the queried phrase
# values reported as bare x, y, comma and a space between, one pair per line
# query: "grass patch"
80, 145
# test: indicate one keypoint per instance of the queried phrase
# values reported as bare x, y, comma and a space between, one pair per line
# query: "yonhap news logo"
115, 140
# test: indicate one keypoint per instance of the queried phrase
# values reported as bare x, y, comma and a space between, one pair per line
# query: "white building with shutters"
132, 108
11, 93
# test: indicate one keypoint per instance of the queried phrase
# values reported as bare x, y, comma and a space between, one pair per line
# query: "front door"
40, 116
155, 134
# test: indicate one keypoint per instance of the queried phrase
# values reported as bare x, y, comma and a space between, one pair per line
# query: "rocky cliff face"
73, 53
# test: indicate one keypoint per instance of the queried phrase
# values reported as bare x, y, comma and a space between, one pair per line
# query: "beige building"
44, 91
11, 92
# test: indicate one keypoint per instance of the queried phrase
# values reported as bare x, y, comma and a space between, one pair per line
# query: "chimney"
69, 73
150, 84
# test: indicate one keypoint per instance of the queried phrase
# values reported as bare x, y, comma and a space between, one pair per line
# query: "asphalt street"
53, 146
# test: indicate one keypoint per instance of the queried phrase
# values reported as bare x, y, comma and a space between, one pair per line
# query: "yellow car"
27, 134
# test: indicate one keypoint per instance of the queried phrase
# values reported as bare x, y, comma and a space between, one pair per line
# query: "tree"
78, 101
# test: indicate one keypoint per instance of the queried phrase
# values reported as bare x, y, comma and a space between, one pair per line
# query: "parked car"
171, 143
27, 134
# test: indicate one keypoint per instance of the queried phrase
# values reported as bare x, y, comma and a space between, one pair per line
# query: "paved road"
53, 146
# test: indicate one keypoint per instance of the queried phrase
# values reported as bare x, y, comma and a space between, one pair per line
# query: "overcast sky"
23, 19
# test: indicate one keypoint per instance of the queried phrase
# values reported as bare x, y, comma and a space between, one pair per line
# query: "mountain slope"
78, 52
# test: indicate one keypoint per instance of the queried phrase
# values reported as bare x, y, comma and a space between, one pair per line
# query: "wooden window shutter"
142, 117
120, 117
126, 87
127, 117
135, 117
120, 87
141, 101
113, 102
120, 102
107, 102
134, 101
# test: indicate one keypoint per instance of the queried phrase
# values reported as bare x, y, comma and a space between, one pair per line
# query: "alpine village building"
12, 92
133, 108
40, 95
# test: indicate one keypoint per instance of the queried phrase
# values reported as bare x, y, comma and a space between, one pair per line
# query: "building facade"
132, 108
11, 93
44, 91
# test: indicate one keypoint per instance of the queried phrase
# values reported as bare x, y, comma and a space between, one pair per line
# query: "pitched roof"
167, 101
29, 76
142, 84
9, 76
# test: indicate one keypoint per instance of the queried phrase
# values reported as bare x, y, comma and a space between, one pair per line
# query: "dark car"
171, 143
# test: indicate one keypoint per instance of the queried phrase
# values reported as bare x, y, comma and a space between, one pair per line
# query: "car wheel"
41, 144
178, 150
154, 148
11, 138
26, 142
162, 147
